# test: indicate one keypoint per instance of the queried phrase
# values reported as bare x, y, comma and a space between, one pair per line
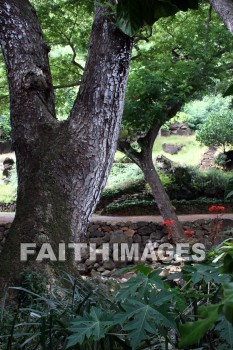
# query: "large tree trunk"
224, 8
62, 167
144, 160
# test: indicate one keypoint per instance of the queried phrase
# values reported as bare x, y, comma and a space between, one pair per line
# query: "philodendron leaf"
229, 91
225, 330
93, 325
132, 15
192, 332
141, 285
141, 318
129, 16
228, 302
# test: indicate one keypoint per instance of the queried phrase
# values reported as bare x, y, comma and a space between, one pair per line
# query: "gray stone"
171, 148
118, 237
101, 269
88, 262
137, 238
157, 235
106, 273
97, 240
96, 233
3, 241
145, 231
145, 239
93, 227
109, 265
165, 239
81, 267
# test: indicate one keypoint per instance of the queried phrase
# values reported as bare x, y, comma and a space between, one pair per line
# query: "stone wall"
4, 229
134, 232
7, 207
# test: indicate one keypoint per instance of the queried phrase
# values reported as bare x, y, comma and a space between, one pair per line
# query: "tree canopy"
217, 130
172, 69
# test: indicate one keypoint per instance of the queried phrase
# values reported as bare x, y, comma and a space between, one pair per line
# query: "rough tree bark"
144, 160
224, 8
62, 166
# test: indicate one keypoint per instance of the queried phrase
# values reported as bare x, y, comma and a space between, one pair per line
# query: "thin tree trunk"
62, 166
161, 198
224, 8
144, 160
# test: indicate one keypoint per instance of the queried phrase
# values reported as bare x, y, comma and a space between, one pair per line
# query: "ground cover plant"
189, 189
189, 309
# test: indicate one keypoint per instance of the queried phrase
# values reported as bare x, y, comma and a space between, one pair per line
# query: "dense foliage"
170, 69
217, 130
154, 308
197, 111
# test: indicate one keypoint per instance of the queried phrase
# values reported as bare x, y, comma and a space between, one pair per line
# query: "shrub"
151, 308
123, 179
217, 130
199, 110
191, 183
211, 183
5, 126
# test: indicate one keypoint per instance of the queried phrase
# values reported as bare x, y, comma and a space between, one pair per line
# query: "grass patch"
125, 176
149, 207
190, 155
7, 193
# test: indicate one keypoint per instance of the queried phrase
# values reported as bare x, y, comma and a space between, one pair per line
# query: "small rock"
146, 230
106, 229
165, 239
101, 269
137, 238
88, 262
106, 273
109, 265
82, 267
96, 233
129, 232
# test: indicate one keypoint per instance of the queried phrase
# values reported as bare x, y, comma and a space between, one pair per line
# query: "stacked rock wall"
135, 232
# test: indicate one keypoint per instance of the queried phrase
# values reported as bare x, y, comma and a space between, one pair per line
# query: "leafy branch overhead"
134, 14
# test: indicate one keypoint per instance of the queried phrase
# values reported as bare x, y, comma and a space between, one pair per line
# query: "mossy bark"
62, 166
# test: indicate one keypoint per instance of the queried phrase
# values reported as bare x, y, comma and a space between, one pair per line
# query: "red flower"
216, 209
189, 233
168, 223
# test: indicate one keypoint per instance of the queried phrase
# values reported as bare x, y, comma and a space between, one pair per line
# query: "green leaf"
228, 263
144, 269
229, 189
141, 318
225, 330
93, 325
206, 273
228, 302
192, 332
229, 91
133, 14
141, 285
129, 16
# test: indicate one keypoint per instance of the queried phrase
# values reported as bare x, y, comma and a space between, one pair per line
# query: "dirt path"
8, 217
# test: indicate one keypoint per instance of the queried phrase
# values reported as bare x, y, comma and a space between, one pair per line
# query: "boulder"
182, 129
171, 148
